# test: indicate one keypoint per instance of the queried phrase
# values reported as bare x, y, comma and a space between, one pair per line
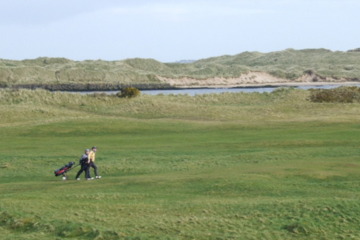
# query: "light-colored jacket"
91, 156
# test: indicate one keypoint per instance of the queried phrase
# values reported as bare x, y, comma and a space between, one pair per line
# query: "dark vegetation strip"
91, 86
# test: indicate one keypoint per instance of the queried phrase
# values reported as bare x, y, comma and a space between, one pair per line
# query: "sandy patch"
250, 79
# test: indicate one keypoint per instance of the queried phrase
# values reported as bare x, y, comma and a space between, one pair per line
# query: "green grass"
288, 64
227, 166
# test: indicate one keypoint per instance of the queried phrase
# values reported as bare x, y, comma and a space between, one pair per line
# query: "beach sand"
254, 79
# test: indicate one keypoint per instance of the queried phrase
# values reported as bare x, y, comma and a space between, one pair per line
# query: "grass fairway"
227, 166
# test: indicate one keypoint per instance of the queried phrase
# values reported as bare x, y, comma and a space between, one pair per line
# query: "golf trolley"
63, 170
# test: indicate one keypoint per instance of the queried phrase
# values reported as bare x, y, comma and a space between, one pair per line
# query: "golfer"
92, 161
85, 166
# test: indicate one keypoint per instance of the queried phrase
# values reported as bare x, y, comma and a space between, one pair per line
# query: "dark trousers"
93, 165
84, 168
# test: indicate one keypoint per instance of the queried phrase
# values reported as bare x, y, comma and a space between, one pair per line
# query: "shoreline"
256, 79
154, 87
270, 85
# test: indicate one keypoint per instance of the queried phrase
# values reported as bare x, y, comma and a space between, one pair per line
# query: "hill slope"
290, 64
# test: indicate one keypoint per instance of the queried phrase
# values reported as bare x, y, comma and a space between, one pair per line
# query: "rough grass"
289, 64
341, 95
226, 166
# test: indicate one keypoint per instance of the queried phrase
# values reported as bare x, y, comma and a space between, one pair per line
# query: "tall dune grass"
283, 104
289, 64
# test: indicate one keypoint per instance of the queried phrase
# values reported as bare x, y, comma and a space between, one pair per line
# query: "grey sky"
170, 30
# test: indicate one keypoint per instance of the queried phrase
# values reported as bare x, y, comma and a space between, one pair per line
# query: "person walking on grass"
85, 166
92, 161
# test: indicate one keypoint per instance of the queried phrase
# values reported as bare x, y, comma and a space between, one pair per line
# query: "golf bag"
64, 169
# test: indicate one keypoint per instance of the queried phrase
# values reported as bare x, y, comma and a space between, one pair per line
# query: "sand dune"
252, 79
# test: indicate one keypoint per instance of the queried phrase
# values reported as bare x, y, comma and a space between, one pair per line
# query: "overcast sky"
171, 30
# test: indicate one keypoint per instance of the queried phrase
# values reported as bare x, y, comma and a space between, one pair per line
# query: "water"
193, 92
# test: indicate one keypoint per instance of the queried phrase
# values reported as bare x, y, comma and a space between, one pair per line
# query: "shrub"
309, 72
128, 92
354, 50
4, 84
339, 95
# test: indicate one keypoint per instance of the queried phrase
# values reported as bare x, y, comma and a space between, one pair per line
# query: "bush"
339, 95
354, 50
4, 84
128, 92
